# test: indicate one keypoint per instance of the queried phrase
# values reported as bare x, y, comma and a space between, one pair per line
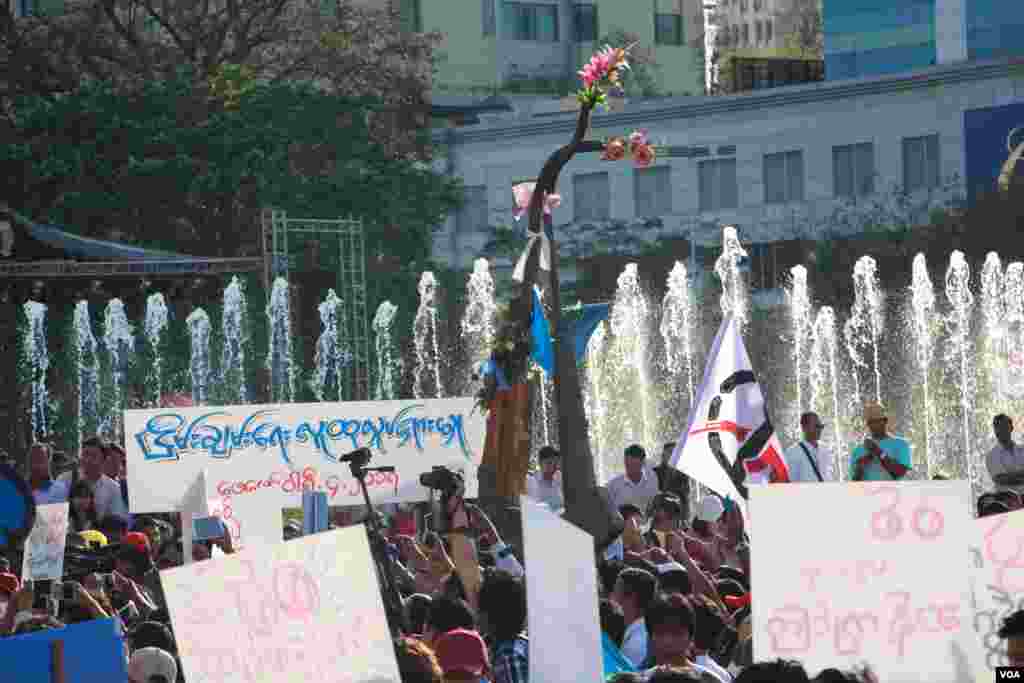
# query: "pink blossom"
638, 138
523, 193
643, 155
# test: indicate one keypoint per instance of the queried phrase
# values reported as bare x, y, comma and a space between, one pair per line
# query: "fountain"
864, 328
119, 344
38, 359
960, 349
329, 354
800, 314
735, 298
235, 337
824, 378
595, 400
427, 371
922, 302
676, 321
199, 363
477, 327
1011, 383
279, 356
87, 372
387, 356
155, 325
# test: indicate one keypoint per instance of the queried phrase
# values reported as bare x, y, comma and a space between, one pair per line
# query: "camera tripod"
389, 589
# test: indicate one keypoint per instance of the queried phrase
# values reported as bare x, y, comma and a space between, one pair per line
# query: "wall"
470, 58
994, 28
810, 118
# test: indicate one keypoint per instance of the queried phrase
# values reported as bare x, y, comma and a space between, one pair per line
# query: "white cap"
670, 567
152, 661
710, 509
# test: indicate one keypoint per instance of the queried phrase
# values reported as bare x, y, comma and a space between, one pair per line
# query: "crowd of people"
674, 587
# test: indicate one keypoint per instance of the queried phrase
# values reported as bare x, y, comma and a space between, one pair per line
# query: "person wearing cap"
1005, 462
638, 485
463, 657
881, 457
808, 461
152, 665
545, 486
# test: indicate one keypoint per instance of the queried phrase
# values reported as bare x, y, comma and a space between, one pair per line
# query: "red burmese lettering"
812, 574
790, 630
949, 617
886, 523
822, 622
850, 631
928, 523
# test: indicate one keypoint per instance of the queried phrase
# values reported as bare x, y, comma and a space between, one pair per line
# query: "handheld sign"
997, 562
879, 578
561, 593
89, 652
44, 550
275, 452
314, 512
306, 610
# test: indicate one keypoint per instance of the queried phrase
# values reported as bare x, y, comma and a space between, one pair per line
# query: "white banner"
306, 610
44, 549
997, 561
274, 452
882, 578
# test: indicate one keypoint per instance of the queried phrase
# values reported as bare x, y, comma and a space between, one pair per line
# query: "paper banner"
997, 563
44, 549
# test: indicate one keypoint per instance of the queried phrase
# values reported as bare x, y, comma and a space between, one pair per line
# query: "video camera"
442, 479
358, 458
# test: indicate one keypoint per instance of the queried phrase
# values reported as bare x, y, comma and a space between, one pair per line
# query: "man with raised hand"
881, 457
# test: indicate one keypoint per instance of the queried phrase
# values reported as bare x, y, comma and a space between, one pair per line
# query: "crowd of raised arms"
674, 593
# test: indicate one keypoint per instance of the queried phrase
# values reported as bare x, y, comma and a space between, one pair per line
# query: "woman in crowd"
83, 508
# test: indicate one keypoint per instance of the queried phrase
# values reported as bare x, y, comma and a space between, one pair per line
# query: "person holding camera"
881, 457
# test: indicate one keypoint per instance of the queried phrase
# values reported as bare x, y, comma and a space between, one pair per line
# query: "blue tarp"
93, 653
85, 248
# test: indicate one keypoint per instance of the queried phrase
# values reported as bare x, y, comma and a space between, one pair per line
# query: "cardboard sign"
564, 624
44, 549
864, 572
275, 452
93, 652
250, 521
307, 610
997, 562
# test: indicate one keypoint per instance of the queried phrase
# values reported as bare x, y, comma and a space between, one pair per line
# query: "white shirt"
622, 490
714, 668
547, 492
800, 469
634, 643
106, 495
56, 492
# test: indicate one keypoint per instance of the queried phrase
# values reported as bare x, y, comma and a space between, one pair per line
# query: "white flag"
729, 441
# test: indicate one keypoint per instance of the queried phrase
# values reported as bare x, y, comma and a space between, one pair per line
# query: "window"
735, 36
717, 180
920, 163
410, 14
746, 34
652, 190
531, 22
668, 29
743, 6
757, 5
768, 31
487, 12
853, 170
472, 214
783, 177
758, 32
584, 21
590, 196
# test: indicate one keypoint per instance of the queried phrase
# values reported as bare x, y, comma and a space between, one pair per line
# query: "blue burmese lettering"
168, 435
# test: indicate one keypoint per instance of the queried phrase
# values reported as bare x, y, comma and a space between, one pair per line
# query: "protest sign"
997, 563
561, 593
881, 579
44, 548
93, 652
249, 520
276, 452
306, 610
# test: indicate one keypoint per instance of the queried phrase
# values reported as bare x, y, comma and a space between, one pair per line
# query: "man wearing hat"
881, 457
463, 656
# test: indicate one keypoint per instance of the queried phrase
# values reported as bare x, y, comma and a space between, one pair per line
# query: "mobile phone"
208, 529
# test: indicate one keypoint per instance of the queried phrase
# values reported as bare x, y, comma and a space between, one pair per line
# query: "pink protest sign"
305, 610
872, 572
997, 562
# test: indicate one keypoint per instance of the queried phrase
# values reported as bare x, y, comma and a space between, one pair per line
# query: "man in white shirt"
638, 486
635, 590
106, 492
1005, 462
545, 486
807, 460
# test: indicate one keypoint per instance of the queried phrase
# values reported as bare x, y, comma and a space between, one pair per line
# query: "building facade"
802, 162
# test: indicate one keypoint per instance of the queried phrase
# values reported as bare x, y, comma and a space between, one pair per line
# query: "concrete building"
872, 37
798, 162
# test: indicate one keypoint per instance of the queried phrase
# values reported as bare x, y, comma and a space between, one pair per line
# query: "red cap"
735, 602
137, 539
9, 583
462, 651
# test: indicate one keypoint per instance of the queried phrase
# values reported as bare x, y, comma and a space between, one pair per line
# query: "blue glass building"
995, 28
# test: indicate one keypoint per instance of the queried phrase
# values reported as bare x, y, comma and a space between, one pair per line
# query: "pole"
392, 598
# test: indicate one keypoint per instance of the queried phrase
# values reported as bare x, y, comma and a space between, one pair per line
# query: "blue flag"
543, 349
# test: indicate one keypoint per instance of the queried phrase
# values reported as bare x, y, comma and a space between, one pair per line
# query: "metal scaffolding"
284, 239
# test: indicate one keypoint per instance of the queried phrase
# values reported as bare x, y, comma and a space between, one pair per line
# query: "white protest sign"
44, 548
306, 610
865, 572
277, 451
997, 560
561, 593
250, 521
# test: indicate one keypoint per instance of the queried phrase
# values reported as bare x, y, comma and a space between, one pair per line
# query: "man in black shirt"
671, 480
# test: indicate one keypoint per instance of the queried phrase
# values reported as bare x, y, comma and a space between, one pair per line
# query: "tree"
171, 166
342, 46
800, 22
